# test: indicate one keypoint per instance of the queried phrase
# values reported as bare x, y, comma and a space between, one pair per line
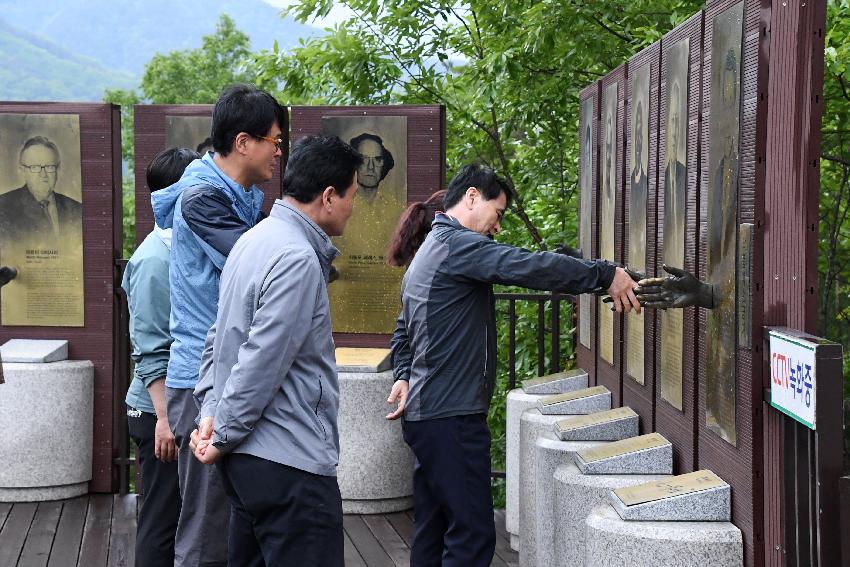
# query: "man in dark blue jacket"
444, 359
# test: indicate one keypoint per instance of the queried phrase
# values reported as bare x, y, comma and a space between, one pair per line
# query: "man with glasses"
377, 163
35, 213
213, 204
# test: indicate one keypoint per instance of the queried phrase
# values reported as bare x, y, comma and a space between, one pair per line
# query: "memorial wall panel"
88, 139
162, 126
586, 350
405, 151
640, 235
679, 127
611, 197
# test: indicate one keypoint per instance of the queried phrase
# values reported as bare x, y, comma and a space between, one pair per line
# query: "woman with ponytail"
413, 226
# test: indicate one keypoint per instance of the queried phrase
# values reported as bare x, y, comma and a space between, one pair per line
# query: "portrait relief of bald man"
41, 219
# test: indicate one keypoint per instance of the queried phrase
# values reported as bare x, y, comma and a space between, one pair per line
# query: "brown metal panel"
586, 357
102, 233
741, 465
149, 136
641, 397
425, 162
680, 426
611, 375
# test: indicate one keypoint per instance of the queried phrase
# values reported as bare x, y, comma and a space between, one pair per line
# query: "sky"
338, 13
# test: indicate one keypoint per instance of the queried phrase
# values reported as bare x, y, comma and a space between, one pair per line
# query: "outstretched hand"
679, 289
621, 292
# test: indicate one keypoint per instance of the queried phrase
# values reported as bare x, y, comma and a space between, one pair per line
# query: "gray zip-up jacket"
268, 374
445, 338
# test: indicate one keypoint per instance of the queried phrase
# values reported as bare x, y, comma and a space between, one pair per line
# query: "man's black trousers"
160, 510
281, 515
452, 503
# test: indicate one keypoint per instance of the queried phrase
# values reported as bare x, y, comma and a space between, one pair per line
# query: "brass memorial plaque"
675, 204
677, 486
553, 377
582, 421
41, 220
373, 357
586, 211
722, 222
191, 132
569, 396
365, 298
638, 184
624, 447
607, 209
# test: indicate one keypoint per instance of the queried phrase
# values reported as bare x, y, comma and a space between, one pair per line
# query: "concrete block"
700, 496
610, 425
34, 350
588, 400
645, 454
559, 383
517, 402
614, 542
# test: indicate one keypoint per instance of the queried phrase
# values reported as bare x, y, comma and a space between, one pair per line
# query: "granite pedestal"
537, 545
576, 495
699, 496
645, 454
375, 471
614, 542
46, 417
518, 401
578, 402
610, 425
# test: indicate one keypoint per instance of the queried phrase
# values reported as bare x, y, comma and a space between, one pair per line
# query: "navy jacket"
445, 337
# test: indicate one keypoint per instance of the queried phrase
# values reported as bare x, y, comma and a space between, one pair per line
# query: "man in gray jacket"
268, 379
444, 360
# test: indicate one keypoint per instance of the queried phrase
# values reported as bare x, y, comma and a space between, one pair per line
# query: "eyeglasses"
39, 168
279, 142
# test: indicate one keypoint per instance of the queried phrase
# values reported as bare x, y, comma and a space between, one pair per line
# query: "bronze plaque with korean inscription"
607, 209
696, 481
365, 299
553, 377
575, 395
637, 187
582, 421
722, 222
586, 212
623, 447
41, 220
675, 194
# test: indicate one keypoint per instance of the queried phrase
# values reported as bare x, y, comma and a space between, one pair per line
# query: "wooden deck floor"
99, 530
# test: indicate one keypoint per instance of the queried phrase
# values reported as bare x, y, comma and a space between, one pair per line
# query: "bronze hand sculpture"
678, 289
7, 274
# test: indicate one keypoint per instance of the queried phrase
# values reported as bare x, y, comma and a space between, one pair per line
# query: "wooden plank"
69, 533
94, 548
39, 540
351, 557
14, 532
403, 525
368, 547
389, 539
122, 539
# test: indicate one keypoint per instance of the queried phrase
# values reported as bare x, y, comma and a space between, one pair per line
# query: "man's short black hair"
317, 162
483, 178
243, 108
389, 162
167, 167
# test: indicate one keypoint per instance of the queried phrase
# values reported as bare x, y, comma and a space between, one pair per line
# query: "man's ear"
471, 194
240, 142
328, 197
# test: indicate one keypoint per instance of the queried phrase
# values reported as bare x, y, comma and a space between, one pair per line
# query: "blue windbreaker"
208, 212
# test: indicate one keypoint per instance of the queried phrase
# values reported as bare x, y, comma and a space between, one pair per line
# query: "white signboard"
792, 377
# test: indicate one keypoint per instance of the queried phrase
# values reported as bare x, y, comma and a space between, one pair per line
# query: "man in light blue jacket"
213, 204
146, 284
268, 380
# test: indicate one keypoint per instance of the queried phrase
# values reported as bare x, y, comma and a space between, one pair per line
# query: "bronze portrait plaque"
365, 298
582, 421
623, 447
41, 220
722, 222
586, 212
637, 185
682, 484
607, 209
675, 193
191, 132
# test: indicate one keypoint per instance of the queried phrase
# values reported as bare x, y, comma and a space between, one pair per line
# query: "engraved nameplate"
369, 357
677, 486
569, 396
581, 421
624, 447
553, 377
745, 292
